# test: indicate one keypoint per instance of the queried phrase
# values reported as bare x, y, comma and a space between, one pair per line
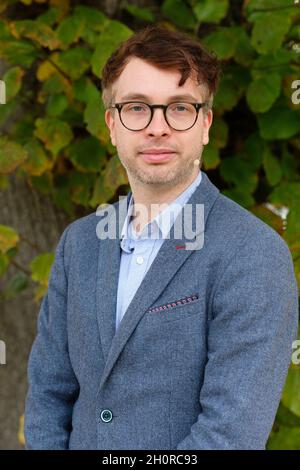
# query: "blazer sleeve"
253, 325
53, 387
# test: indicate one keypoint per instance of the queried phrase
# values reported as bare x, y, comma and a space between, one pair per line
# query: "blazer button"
106, 416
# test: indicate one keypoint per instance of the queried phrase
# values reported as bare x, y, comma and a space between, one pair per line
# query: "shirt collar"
164, 219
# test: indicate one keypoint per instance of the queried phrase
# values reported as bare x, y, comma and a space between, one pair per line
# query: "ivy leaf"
238, 171
40, 267
272, 167
143, 14
36, 31
37, 162
13, 81
179, 13
111, 37
290, 396
223, 42
8, 238
12, 155
269, 31
94, 118
240, 196
18, 52
286, 438
287, 194
279, 123
210, 157
57, 104
263, 92
210, 11
4, 263
87, 155
70, 30
15, 286
73, 62
81, 186
54, 133
218, 133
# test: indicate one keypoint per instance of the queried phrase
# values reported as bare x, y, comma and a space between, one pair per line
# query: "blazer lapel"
167, 262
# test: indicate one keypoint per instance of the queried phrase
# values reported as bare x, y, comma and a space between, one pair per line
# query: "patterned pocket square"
175, 303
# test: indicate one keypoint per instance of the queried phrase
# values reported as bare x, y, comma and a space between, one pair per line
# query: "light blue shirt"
139, 251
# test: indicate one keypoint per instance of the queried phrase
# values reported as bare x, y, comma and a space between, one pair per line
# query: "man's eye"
137, 108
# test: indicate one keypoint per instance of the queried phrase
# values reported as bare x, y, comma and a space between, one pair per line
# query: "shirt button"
106, 416
140, 260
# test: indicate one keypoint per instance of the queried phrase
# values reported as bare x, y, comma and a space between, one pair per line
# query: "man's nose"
158, 124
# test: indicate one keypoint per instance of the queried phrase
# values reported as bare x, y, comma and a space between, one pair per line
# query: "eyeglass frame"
197, 107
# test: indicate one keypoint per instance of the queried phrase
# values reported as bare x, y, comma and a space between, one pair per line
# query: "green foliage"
55, 54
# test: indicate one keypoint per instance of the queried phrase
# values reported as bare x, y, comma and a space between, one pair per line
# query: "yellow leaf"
21, 436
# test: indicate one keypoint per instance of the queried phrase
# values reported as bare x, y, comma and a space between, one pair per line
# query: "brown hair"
166, 49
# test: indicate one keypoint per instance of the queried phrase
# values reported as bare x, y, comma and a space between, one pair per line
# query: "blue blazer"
201, 355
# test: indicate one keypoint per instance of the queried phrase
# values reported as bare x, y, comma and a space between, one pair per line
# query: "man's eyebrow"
140, 96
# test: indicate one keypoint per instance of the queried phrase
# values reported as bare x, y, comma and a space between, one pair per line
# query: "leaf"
210, 11
263, 92
94, 118
179, 13
15, 286
85, 90
54, 133
70, 30
115, 174
238, 171
218, 133
113, 34
279, 123
43, 183
211, 157
3, 182
254, 149
12, 154
240, 196
73, 62
143, 14
269, 31
13, 81
285, 417
288, 164
232, 86
87, 155
81, 186
37, 162
269, 217
287, 194
18, 52
57, 104
4, 263
285, 439
272, 167
8, 238
244, 51
40, 267
36, 31
223, 42
111, 178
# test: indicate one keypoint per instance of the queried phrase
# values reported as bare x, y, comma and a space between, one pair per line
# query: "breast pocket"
175, 309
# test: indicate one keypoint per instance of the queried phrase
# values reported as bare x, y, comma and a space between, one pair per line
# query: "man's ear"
207, 122
110, 122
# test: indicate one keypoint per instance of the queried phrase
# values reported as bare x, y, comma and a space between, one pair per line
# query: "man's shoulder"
237, 226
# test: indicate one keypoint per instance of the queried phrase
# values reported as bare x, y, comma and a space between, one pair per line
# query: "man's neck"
153, 201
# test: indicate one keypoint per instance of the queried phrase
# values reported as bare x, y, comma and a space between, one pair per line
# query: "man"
148, 340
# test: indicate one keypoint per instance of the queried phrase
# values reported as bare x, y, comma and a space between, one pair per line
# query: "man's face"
140, 77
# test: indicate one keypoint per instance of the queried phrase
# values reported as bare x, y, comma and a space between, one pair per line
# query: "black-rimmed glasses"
136, 115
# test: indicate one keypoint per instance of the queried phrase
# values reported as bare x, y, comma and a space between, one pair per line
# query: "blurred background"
57, 163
